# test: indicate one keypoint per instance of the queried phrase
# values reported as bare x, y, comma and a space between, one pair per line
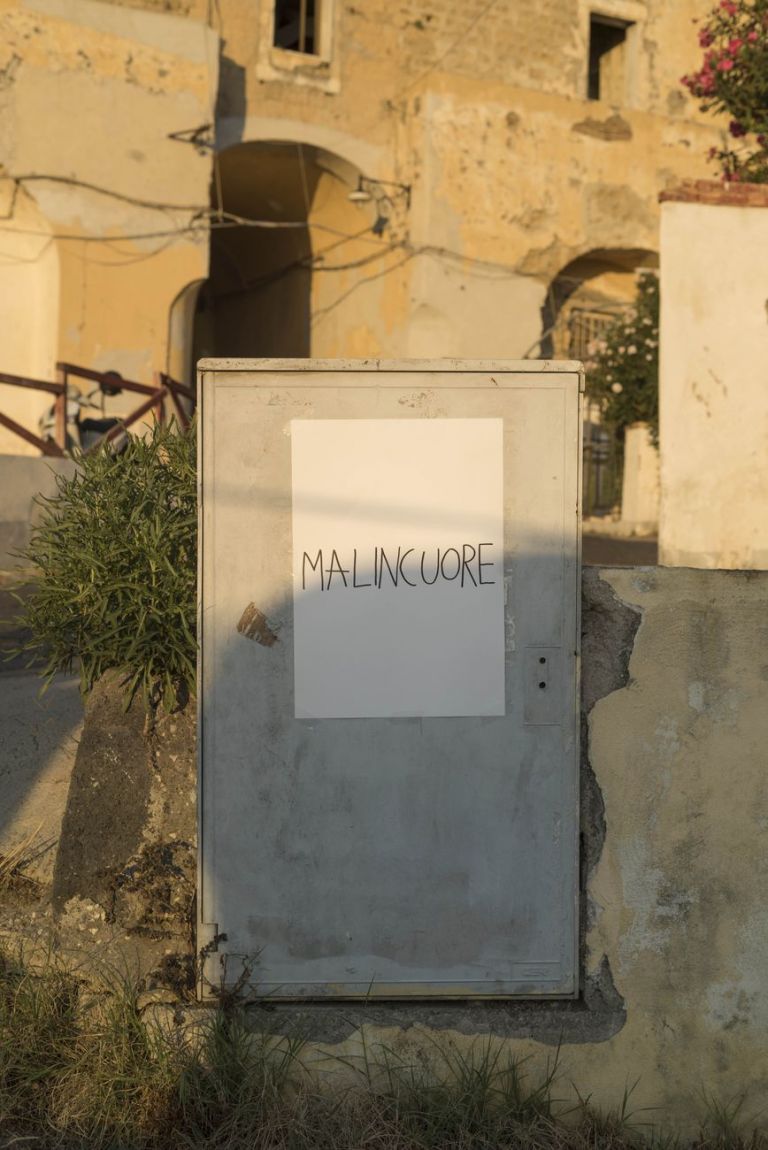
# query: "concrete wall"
22, 478
640, 488
674, 832
713, 373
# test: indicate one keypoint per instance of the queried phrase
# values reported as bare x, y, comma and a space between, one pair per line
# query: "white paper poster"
398, 552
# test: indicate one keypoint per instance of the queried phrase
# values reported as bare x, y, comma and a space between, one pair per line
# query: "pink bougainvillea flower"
731, 79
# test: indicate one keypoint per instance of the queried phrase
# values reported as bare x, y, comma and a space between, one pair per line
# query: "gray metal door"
389, 677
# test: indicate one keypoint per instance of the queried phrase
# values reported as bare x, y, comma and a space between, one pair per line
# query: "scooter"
84, 432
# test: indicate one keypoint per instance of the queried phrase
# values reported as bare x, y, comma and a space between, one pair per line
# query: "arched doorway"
583, 300
586, 295
276, 206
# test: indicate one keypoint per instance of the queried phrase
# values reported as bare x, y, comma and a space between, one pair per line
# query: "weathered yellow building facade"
184, 178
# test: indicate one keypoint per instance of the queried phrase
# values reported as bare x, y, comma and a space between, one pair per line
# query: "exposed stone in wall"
194, 8
613, 128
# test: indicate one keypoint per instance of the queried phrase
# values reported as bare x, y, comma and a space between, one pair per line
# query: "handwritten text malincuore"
382, 567
397, 563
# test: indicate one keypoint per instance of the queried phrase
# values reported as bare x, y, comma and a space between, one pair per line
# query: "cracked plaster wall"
513, 173
674, 819
479, 109
89, 94
674, 825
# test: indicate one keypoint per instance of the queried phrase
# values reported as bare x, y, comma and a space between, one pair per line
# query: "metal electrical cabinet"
389, 626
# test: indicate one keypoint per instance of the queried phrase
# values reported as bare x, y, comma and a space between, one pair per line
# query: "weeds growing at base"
83, 1069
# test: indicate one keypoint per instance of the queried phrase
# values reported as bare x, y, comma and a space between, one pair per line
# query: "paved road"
606, 551
38, 744
10, 634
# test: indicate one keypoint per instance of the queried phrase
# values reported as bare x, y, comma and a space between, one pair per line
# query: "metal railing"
110, 383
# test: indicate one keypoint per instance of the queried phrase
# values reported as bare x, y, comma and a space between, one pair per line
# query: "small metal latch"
543, 686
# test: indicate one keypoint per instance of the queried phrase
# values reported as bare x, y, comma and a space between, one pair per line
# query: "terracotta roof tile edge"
715, 192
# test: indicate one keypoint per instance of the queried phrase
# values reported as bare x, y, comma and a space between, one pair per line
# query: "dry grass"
80, 1070
13, 864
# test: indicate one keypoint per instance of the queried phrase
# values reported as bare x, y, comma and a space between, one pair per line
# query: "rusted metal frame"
59, 391
174, 385
176, 390
157, 397
183, 418
45, 445
159, 406
165, 386
34, 384
60, 410
105, 379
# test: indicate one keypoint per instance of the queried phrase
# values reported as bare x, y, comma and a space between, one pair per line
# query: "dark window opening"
607, 52
296, 25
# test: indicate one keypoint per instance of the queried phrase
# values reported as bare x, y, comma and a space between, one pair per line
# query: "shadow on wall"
114, 800
672, 833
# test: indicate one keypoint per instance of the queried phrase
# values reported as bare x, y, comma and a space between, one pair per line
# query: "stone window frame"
317, 70
634, 15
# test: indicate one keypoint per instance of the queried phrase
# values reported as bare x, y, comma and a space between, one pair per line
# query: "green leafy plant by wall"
733, 79
623, 368
115, 559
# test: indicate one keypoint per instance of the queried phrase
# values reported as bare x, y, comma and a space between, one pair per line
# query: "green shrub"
115, 565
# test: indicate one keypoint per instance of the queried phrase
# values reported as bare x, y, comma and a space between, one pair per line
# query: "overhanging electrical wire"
137, 201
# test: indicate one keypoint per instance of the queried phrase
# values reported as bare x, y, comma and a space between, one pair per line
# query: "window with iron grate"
584, 327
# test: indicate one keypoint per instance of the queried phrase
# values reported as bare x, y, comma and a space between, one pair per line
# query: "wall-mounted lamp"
369, 189
360, 195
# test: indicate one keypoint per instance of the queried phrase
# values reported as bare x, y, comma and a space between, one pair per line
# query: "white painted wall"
714, 385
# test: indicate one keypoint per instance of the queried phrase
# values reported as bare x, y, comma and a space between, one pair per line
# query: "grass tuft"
83, 1070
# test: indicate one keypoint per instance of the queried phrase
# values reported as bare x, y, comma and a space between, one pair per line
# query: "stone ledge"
716, 192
